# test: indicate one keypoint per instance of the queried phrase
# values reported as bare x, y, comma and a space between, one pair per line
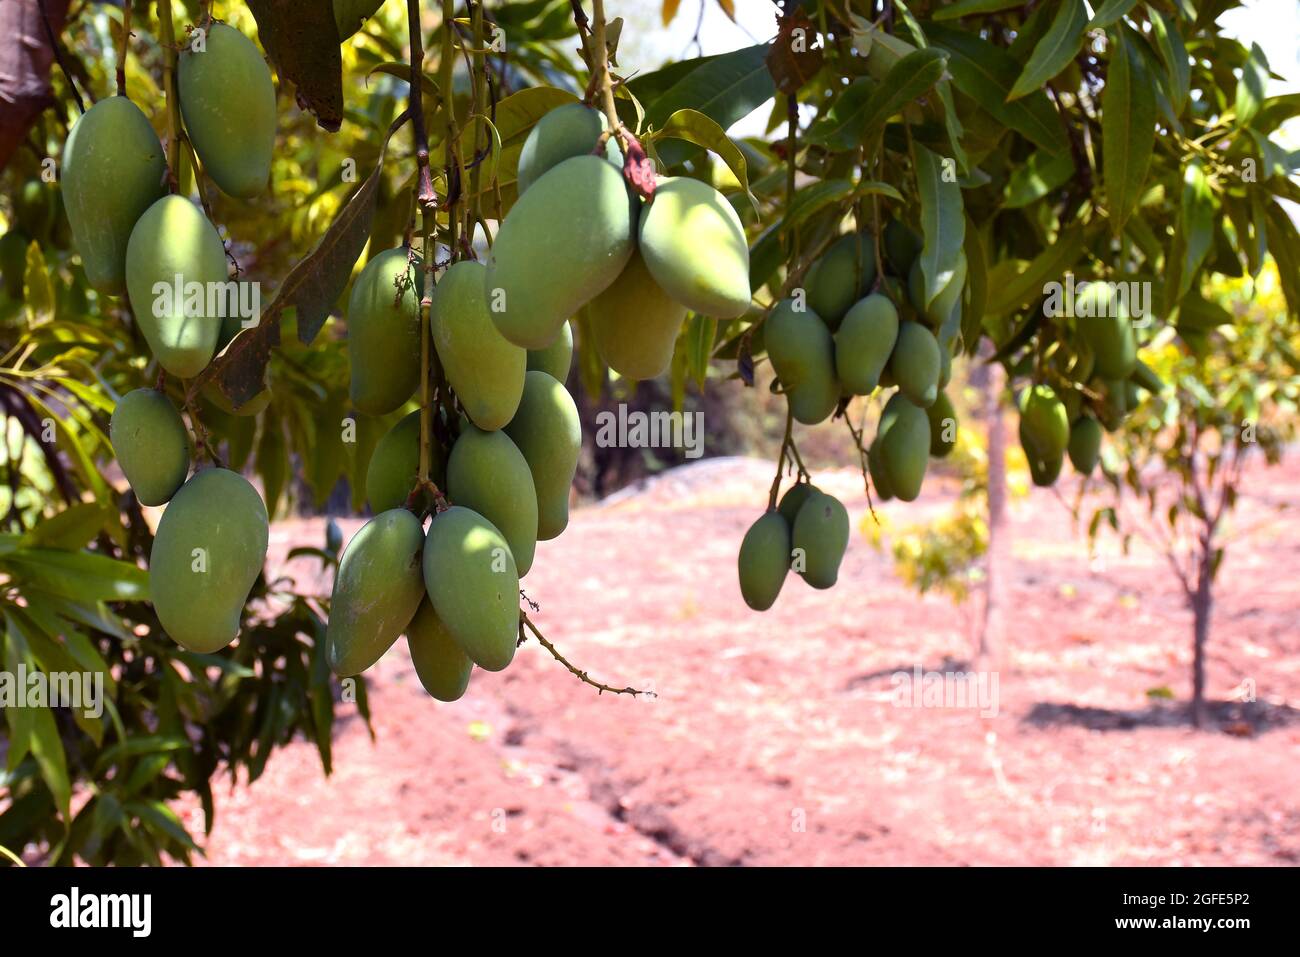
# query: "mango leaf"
70, 529
402, 71
943, 224
38, 295
907, 79
1036, 177
82, 576
303, 40
814, 198
47, 749
725, 88
1173, 54
1055, 51
1284, 246
1275, 111
1197, 216
1128, 129
1009, 293
839, 129
970, 8
19, 720
695, 127
1251, 86
986, 74
1108, 11
952, 123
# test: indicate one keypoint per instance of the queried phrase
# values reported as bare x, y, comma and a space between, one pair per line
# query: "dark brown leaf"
303, 40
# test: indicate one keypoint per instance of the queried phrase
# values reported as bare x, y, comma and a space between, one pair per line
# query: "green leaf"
1251, 86
969, 8
952, 123
814, 198
1109, 11
1055, 51
907, 79
47, 748
695, 127
943, 224
987, 74
162, 820
516, 115
1128, 130
20, 720
1011, 293
39, 291
82, 576
1173, 53
1198, 212
839, 129
1038, 176
972, 317
1275, 111
725, 88
70, 529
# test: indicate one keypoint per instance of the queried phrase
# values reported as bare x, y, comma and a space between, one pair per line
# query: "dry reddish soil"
777, 738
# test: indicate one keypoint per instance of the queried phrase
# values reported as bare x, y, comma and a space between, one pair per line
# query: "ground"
778, 738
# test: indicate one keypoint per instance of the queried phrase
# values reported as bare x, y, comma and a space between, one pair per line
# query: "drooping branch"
527, 623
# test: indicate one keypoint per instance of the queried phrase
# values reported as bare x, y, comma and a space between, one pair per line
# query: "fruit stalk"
167, 37
427, 201
126, 40
600, 65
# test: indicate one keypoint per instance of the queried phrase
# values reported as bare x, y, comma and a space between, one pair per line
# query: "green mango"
173, 238
864, 342
207, 553
916, 287
384, 332
943, 421
1085, 444
564, 241
1104, 324
694, 246
377, 589
473, 585
548, 432
440, 664
916, 363
395, 465
635, 324
556, 358
793, 500
13, 263
820, 535
485, 370
565, 132
1044, 432
112, 172
151, 444
350, 14
841, 277
945, 366
803, 356
764, 560
903, 437
902, 247
486, 472
1144, 377
228, 102
876, 467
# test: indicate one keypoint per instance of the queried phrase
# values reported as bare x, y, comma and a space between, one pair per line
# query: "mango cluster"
131, 235
212, 538
1098, 386
579, 240
454, 590
807, 532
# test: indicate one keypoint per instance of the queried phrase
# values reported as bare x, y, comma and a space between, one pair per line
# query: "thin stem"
126, 39
427, 204
57, 49
167, 39
526, 622
600, 69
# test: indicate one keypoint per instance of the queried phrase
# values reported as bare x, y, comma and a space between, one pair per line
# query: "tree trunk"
25, 58
1202, 607
990, 377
